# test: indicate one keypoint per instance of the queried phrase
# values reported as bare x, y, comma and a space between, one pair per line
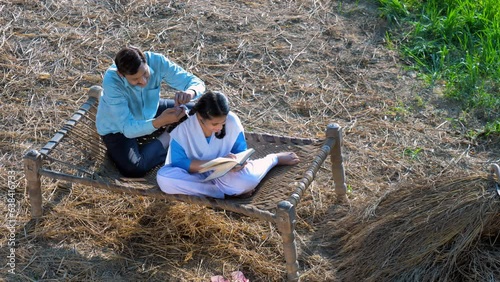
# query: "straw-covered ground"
289, 68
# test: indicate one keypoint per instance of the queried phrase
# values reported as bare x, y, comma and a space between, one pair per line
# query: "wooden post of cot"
335, 131
495, 170
285, 221
32, 165
286, 213
96, 93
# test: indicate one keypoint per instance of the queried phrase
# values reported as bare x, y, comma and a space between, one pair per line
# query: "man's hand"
169, 116
182, 98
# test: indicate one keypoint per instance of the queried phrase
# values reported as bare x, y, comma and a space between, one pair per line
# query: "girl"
212, 131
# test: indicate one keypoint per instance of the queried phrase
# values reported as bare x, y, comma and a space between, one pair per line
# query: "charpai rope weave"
78, 152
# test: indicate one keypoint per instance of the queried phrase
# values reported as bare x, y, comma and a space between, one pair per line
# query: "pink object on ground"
239, 277
218, 278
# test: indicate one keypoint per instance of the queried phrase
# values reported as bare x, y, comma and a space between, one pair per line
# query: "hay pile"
447, 229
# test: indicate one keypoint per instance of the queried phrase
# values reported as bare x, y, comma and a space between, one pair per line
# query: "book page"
240, 159
221, 166
220, 170
221, 160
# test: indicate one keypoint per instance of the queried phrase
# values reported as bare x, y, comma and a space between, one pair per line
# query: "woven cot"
77, 154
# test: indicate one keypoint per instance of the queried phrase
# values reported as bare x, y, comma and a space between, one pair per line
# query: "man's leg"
133, 160
130, 159
163, 105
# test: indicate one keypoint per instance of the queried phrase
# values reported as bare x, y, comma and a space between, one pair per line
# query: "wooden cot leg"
32, 164
495, 170
285, 222
335, 131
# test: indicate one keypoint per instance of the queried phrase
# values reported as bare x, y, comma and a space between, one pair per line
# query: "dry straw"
289, 67
445, 229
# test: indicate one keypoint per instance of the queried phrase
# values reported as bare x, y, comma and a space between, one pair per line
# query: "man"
131, 107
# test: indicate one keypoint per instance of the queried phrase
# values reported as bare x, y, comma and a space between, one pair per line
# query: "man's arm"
182, 98
178, 78
169, 116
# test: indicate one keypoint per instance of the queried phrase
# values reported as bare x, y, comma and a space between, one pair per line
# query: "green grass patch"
456, 41
412, 153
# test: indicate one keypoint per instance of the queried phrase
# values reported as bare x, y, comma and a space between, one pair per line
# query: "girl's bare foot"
287, 158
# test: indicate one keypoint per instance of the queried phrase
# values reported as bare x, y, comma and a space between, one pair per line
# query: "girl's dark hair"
129, 59
211, 104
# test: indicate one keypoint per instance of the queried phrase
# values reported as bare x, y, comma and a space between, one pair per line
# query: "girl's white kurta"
189, 134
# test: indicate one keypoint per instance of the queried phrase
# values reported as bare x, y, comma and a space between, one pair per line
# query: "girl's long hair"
211, 104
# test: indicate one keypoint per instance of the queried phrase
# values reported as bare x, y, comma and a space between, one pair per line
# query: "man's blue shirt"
130, 110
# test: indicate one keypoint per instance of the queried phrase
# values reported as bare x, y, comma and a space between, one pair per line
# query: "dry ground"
289, 67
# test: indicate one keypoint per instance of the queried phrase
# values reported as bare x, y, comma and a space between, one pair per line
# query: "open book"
221, 165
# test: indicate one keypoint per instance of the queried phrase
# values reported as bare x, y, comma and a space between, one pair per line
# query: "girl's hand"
238, 167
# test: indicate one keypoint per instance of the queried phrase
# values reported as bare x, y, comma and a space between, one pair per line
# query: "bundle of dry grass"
443, 230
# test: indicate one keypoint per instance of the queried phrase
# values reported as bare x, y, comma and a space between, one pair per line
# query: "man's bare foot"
287, 158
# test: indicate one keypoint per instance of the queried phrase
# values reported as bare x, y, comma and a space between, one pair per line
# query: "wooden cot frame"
285, 213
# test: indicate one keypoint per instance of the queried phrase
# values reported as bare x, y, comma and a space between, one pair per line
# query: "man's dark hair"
129, 59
